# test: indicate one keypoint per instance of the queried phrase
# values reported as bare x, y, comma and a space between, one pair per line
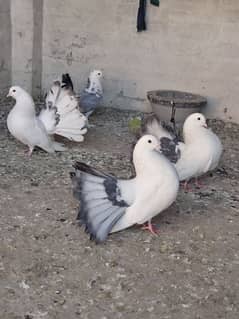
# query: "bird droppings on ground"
50, 269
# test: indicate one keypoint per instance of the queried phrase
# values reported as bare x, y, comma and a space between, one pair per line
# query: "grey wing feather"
101, 200
170, 148
89, 101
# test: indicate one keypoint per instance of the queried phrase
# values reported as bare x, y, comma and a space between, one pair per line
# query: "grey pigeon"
92, 95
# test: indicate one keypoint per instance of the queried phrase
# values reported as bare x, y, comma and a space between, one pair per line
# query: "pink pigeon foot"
29, 153
198, 183
151, 227
186, 187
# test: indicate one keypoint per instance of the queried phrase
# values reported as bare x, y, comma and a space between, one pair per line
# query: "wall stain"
122, 95
69, 58
81, 43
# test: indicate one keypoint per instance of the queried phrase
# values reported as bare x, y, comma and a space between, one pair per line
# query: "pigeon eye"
98, 73
199, 118
149, 141
14, 91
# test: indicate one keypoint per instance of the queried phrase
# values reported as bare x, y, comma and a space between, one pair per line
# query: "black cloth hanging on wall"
155, 2
141, 25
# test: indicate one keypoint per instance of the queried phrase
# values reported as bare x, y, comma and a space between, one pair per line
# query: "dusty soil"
50, 269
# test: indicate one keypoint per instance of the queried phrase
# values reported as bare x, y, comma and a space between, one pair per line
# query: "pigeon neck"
192, 134
147, 162
25, 105
94, 87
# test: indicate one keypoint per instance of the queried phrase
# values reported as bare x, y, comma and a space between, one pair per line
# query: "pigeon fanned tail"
67, 82
101, 202
49, 117
61, 115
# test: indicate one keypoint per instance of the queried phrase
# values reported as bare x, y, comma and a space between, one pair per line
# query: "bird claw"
151, 227
198, 183
186, 187
29, 152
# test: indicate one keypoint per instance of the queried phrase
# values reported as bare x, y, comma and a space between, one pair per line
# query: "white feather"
119, 204
201, 150
68, 121
25, 126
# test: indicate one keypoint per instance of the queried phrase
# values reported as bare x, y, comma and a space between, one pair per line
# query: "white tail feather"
48, 117
72, 120
71, 136
58, 147
62, 115
53, 93
154, 127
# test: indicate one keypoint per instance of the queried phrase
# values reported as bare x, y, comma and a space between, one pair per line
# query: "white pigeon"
60, 116
199, 153
92, 95
108, 204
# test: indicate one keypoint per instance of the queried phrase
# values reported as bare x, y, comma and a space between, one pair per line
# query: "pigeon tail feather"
58, 147
61, 114
152, 125
100, 204
67, 82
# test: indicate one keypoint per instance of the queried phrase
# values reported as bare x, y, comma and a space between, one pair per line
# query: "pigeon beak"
158, 148
8, 95
206, 124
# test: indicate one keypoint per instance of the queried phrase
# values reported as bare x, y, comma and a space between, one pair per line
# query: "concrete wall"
22, 42
26, 43
5, 46
37, 47
189, 45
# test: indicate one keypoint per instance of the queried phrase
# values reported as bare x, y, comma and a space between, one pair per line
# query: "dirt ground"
50, 269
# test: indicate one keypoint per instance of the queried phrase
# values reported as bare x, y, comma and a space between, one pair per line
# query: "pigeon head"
94, 85
147, 150
15, 92
96, 74
147, 143
194, 121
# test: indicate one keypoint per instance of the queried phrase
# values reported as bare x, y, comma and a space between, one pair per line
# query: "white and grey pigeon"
200, 151
61, 116
108, 204
92, 95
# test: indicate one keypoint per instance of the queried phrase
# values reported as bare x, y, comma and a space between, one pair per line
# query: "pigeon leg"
30, 151
90, 125
186, 186
151, 227
198, 183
